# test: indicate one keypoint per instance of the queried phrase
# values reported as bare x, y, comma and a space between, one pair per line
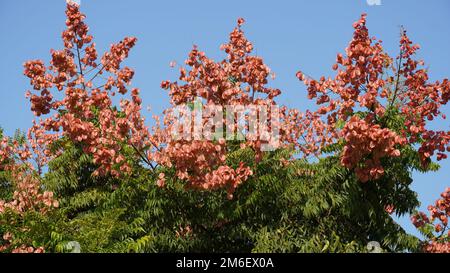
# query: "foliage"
92, 172
437, 234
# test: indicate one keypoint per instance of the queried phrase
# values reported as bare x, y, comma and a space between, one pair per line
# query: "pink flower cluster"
8, 237
420, 102
439, 213
363, 140
76, 33
28, 194
239, 79
225, 175
86, 114
367, 80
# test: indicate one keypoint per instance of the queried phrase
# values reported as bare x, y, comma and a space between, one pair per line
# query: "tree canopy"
325, 180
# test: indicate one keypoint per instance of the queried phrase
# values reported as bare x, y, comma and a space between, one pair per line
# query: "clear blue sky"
289, 35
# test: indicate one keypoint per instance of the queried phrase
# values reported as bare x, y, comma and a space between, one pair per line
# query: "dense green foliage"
298, 207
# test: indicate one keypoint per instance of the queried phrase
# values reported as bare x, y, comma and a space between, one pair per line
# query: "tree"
437, 234
25, 217
91, 171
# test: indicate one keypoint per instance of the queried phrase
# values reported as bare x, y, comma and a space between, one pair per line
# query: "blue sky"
289, 35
